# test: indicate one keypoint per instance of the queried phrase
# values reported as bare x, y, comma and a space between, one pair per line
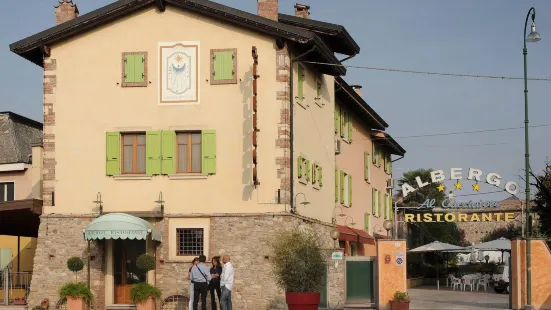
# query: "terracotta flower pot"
303, 301
149, 304
75, 303
399, 305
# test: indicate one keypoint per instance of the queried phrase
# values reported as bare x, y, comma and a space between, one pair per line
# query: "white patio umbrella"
437, 247
501, 244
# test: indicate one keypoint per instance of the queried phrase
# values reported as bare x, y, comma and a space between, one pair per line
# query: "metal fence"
14, 287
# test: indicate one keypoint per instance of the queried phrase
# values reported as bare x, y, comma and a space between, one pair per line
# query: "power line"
501, 191
429, 72
473, 131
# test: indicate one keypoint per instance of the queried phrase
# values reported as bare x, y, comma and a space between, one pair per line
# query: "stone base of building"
243, 236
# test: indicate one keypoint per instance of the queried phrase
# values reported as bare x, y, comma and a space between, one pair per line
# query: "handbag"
199, 286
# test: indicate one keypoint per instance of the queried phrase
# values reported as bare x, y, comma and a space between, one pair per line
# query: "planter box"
75, 303
303, 301
149, 304
399, 305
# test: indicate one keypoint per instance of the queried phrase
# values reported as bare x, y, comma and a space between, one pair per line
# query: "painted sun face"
179, 80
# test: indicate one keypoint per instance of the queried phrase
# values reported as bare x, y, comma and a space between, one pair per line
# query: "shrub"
401, 296
142, 291
75, 290
146, 262
298, 261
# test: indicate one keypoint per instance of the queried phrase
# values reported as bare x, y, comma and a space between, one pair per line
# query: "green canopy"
121, 226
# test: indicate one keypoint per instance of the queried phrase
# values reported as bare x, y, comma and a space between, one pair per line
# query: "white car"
501, 279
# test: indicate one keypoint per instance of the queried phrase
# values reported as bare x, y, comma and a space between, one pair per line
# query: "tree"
542, 199
509, 232
419, 196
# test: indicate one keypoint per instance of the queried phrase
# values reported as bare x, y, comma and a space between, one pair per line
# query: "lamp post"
387, 225
532, 37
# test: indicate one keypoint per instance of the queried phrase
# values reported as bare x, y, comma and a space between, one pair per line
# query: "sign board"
337, 255
399, 258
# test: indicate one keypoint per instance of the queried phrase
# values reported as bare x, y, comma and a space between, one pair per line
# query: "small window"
318, 100
133, 153
189, 152
134, 69
190, 241
223, 66
7, 191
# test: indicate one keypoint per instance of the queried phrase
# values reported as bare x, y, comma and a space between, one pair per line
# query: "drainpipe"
291, 118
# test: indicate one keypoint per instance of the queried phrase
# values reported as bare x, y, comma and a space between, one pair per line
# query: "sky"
465, 37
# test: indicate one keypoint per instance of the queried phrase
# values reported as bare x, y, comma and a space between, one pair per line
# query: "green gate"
360, 275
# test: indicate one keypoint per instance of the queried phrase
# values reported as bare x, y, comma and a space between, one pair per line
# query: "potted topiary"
299, 264
144, 294
75, 294
400, 301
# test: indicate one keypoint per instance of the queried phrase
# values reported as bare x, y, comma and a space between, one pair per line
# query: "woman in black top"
216, 272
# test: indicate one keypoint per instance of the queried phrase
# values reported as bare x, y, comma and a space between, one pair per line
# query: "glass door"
125, 253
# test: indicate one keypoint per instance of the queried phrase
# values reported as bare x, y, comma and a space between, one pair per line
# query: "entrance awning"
121, 226
20, 217
354, 235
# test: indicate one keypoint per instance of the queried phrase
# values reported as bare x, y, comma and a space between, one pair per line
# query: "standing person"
215, 272
191, 290
226, 281
200, 276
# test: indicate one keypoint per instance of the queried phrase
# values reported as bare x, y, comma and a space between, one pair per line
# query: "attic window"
223, 66
134, 69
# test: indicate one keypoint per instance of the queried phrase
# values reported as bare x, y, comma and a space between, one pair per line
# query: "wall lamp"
99, 203
351, 222
304, 203
161, 203
341, 215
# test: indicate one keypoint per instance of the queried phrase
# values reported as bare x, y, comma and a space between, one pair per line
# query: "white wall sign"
179, 72
336, 255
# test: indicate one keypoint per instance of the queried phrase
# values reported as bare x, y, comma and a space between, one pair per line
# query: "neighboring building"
20, 196
363, 173
178, 117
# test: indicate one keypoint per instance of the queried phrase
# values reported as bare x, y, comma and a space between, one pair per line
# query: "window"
346, 189
223, 66
317, 175
346, 125
304, 169
337, 117
189, 152
366, 167
319, 85
7, 191
376, 155
367, 222
388, 163
134, 69
133, 153
376, 202
387, 207
190, 241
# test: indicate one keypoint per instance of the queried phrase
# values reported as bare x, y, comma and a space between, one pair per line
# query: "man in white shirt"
226, 283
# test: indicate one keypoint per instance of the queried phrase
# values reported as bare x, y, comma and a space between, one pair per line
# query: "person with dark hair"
191, 290
215, 272
200, 277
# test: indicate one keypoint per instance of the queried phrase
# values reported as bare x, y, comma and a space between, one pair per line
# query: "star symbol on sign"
179, 58
441, 187
476, 187
458, 185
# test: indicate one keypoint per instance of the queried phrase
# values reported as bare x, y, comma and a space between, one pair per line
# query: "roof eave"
393, 145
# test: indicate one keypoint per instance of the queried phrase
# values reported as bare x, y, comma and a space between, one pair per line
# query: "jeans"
225, 300
200, 293
215, 287
191, 293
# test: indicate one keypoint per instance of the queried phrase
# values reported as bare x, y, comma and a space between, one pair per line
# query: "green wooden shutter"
391, 208
314, 171
307, 172
139, 68
337, 117
366, 222
223, 65
320, 176
129, 65
390, 166
342, 187
374, 152
300, 90
373, 200
299, 165
113, 153
349, 190
386, 206
336, 185
153, 152
208, 148
318, 88
342, 119
168, 152
349, 121
366, 166
379, 201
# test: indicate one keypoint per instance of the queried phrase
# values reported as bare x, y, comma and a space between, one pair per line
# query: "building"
179, 143
20, 197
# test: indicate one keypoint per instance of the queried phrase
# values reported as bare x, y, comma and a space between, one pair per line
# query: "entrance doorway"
360, 275
125, 253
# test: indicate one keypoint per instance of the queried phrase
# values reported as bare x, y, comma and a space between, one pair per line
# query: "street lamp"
387, 225
532, 37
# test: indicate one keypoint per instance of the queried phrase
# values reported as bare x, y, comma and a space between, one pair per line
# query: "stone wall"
475, 231
59, 238
246, 239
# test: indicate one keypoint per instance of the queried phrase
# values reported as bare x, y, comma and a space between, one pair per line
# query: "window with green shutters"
367, 163
386, 207
168, 152
299, 167
343, 116
189, 152
320, 176
374, 201
223, 66
379, 202
134, 69
337, 117
336, 185
134, 158
367, 221
208, 149
342, 187
391, 207
300, 83
153, 152
308, 172
374, 152
349, 200
113, 153
349, 126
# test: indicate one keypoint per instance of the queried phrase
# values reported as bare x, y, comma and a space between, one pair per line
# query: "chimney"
65, 11
357, 89
268, 9
302, 10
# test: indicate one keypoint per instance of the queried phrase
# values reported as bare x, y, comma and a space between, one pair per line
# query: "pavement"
429, 298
